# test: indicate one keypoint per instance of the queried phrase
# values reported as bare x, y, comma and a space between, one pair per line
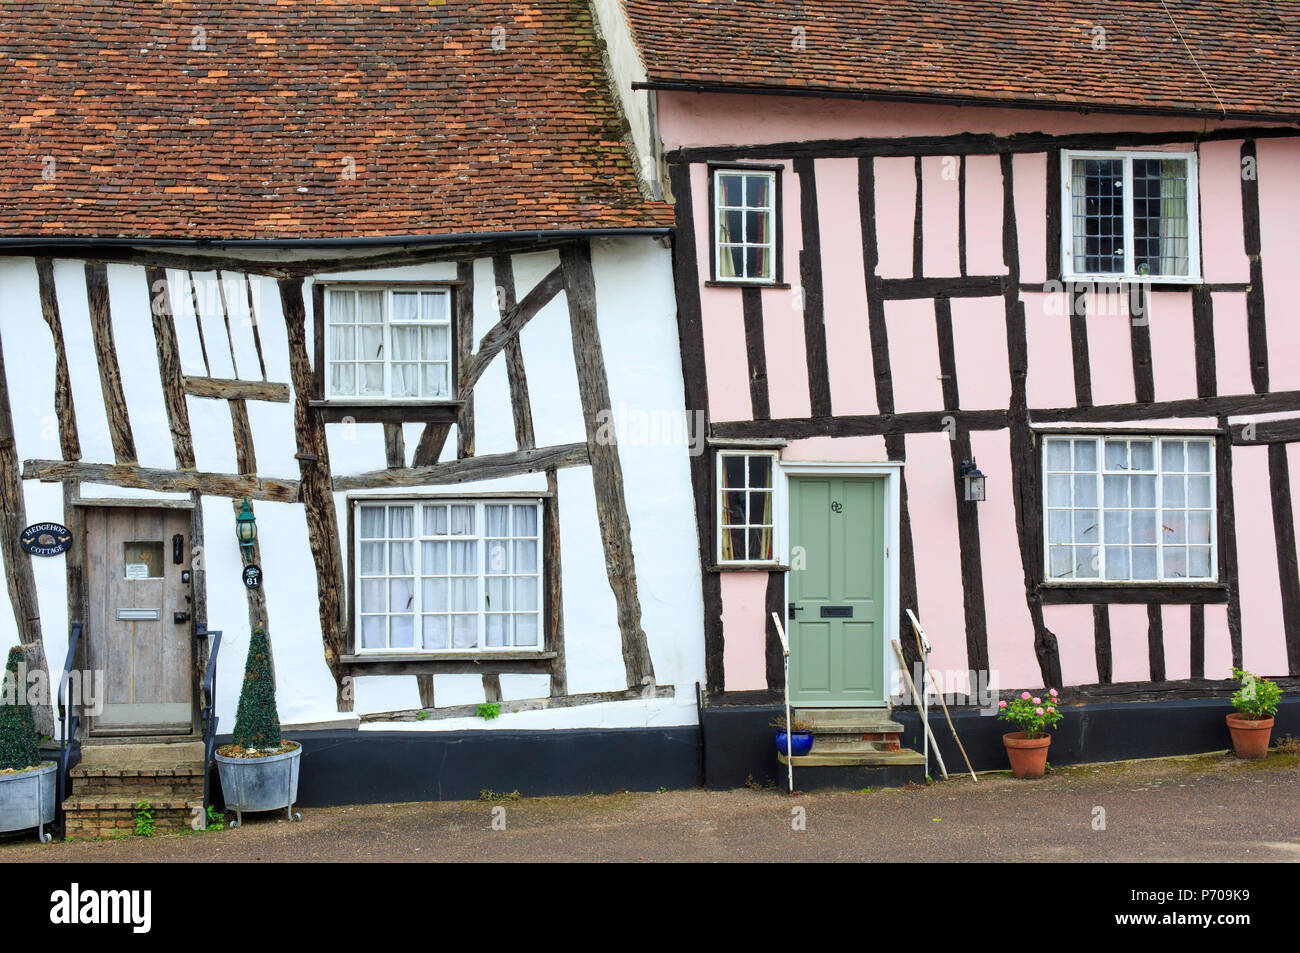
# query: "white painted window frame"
480, 539
1194, 267
718, 209
892, 472
388, 291
778, 508
1100, 579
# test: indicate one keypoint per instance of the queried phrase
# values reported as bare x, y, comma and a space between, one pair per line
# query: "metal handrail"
208, 711
67, 720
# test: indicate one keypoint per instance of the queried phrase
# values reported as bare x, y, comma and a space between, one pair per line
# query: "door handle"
793, 609
180, 618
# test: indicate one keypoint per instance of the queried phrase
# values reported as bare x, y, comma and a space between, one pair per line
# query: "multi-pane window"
746, 507
448, 575
1130, 215
1130, 509
745, 218
388, 343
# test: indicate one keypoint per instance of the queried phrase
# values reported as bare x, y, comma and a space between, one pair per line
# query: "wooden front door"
837, 591
134, 590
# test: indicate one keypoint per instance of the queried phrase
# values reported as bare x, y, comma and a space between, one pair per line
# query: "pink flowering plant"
1032, 714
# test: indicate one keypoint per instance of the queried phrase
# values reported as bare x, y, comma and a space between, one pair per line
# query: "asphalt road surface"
1203, 808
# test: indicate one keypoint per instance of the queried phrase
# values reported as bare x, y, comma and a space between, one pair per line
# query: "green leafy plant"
19, 747
257, 721
1257, 698
1031, 714
489, 710
144, 825
800, 725
421, 715
216, 819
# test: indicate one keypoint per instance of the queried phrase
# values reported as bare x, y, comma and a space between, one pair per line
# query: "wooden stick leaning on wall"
920, 647
916, 699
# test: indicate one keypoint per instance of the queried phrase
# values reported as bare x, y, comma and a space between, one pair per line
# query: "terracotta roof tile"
1086, 53
301, 119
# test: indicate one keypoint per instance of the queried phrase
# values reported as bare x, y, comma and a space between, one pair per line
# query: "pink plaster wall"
1177, 624
1076, 638
1029, 174
914, 355
1222, 248
1130, 650
744, 632
1173, 344
939, 201
848, 344
1050, 378
1279, 233
1010, 629
1263, 650
783, 337
1110, 348
932, 509
724, 337
836, 450
1218, 642
895, 215
1231, 343
979, 342
984, 216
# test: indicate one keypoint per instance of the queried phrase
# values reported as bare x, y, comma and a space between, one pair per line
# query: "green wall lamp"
246, 530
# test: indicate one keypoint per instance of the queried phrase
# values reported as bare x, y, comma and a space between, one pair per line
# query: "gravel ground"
1201, 808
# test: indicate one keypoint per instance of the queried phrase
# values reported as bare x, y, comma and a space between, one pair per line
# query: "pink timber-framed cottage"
1056, 242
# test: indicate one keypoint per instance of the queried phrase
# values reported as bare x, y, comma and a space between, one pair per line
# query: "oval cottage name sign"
46, 539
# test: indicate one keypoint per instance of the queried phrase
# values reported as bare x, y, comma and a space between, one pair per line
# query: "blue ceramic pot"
800, 742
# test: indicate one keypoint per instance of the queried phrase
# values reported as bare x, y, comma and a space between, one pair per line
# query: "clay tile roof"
272, 119
1045, 52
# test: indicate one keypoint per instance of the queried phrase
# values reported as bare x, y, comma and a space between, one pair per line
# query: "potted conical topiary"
258, 769
28, 795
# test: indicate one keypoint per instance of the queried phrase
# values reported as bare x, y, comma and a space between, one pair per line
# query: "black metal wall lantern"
973, 481
246, 530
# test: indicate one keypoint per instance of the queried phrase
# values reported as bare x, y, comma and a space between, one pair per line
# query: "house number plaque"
253, 576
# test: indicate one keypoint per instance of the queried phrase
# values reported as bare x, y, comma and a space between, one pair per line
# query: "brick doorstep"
96, 816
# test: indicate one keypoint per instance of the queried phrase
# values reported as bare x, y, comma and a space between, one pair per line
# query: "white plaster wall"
636, 313
624, 68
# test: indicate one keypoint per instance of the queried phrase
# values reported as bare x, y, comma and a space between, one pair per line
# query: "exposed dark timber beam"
1203, 335
1266, 431
553, 580
164, 481
510, 325
814, 310
606, 470
1227, 535
973, 286
521, 410
245, 456
429, 447
967, 144
1276, 402
1256, 325
226, 389
487, 467
20, 579
528, 704
1132, 595
1144, 385
1156, 642
110, 374
464, 304
64, 409
756, 352
1163, 691
794, 428
1101, 643
690, 334
169, 366
1288, 570
394, 446
316, 493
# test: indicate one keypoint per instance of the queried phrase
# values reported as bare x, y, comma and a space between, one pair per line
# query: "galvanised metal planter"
260, 784
29, 799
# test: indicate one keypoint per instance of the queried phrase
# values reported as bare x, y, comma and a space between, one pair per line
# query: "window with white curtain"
745, 218
1130, 509
746, 508
1130, 215
448, 575
388, 343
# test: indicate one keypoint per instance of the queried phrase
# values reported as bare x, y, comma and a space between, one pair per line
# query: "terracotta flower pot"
1250, 736
1028, 756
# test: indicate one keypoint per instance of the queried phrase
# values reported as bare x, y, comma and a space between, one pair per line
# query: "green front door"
837, 591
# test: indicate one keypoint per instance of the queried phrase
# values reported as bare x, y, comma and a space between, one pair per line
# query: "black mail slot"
837, 612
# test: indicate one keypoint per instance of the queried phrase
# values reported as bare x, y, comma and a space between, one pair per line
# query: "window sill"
451, 663
1154, 281
1176, 593
340, 410
747, 567
714, 283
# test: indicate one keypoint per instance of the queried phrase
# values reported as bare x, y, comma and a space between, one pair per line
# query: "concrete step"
184, 748
97, 816
826, 721
873, 759
846, 743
